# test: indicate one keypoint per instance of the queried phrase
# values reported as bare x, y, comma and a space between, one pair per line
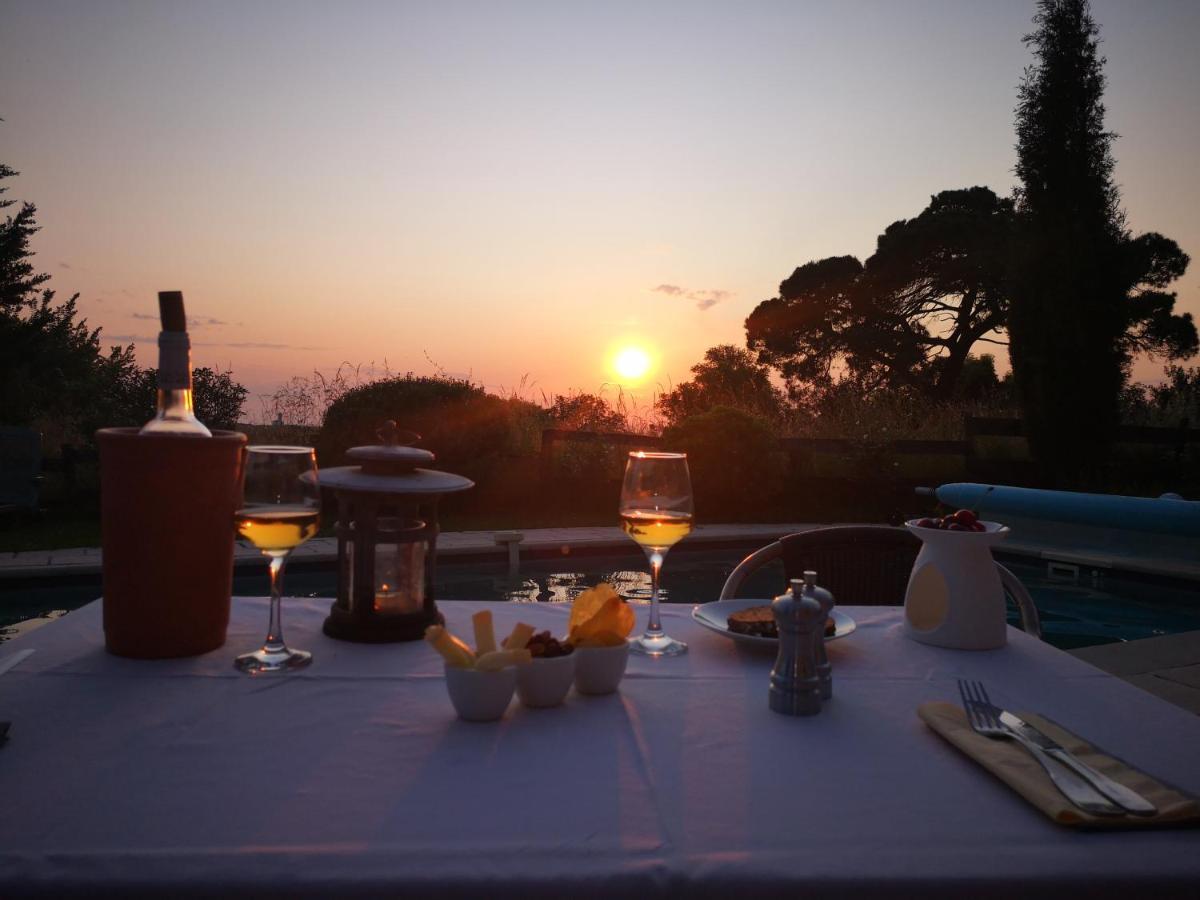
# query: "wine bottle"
175, 414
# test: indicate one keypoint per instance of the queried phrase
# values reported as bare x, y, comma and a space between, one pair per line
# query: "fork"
983, 717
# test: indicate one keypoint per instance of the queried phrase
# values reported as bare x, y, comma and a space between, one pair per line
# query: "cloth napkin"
1013, 764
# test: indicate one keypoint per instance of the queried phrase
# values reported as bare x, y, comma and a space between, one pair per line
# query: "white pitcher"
955, 598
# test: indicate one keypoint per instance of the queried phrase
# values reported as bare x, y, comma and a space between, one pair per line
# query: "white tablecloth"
354, 776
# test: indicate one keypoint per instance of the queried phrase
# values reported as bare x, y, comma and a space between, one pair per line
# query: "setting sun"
631, 362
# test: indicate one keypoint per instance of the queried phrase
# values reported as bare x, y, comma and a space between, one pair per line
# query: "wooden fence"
976, 464
1178, 439
1179, 436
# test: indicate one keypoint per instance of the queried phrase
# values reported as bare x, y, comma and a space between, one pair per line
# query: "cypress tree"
1068, 314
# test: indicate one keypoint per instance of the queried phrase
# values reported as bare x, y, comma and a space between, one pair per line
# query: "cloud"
254, 345
193, 321
240, 345
704, 299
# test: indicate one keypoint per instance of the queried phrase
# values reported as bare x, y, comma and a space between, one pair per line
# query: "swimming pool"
1078, 607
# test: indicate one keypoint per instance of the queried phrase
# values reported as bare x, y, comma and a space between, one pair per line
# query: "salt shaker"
825, 599
795, 687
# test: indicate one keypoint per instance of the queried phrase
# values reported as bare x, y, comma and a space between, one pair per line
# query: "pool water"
1090, 607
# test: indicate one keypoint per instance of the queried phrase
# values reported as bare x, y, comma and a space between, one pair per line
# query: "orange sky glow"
516, 192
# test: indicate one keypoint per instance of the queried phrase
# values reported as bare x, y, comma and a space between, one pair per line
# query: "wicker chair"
863, 565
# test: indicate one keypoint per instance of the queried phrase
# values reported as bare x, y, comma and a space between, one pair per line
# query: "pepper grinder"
795, 687
825, 599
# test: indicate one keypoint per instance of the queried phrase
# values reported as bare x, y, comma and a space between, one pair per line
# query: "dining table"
354, 777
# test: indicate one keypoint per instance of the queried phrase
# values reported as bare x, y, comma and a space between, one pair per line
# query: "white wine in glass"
656, 512
280, 510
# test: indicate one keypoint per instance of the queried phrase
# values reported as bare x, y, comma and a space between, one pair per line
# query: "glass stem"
274, 641
654, 628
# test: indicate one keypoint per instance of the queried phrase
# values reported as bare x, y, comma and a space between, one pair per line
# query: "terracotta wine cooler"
166, 513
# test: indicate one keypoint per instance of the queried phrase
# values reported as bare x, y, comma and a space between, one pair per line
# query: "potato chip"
625, 620
453, 651
589, 603
485, 635
498, 659
596, 622
614, 620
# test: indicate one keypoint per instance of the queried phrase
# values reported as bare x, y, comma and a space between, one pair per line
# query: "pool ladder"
1069, 573
512, 541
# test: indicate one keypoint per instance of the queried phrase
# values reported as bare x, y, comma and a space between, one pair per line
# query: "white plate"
715, 617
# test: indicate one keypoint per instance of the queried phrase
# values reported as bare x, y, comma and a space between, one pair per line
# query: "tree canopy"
52, 366
1086, 294
727, 376
18, 282
586, 412
934, 288
51, 363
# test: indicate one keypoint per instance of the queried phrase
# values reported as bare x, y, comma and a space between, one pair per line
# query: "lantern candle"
400, 569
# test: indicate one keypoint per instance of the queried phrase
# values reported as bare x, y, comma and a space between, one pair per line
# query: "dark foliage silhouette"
908, 318
52, 367
18, 282
469, 430
1086, 295
51, 363
585, 412
217, 397
727, 376
736, 465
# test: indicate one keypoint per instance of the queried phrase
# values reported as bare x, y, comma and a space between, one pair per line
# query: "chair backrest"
863, 565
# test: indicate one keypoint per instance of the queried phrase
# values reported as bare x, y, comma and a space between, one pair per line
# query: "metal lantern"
387, 532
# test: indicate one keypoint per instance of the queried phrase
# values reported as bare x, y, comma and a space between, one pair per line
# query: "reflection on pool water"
1092, 608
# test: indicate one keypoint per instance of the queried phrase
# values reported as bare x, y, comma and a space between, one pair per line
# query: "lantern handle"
393, 436
389, 433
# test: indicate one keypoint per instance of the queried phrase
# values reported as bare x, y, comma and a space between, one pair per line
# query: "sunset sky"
517, 190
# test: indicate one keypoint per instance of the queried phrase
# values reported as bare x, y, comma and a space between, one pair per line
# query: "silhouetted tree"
18, 282
727, 376
935, 287
586, 412
52, 365
1178, 398
470, 430
1086, 296
978, 380
217, 397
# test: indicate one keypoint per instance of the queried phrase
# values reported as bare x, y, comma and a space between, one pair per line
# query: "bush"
217, 398
727, 376
469, 430
736, 464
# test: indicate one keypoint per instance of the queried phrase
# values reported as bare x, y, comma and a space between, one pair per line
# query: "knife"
1129, 800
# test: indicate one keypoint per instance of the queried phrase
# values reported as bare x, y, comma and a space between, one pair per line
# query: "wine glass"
656, 511
280, 510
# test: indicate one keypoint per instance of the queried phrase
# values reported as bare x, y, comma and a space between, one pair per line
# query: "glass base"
263, 660
657, 645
